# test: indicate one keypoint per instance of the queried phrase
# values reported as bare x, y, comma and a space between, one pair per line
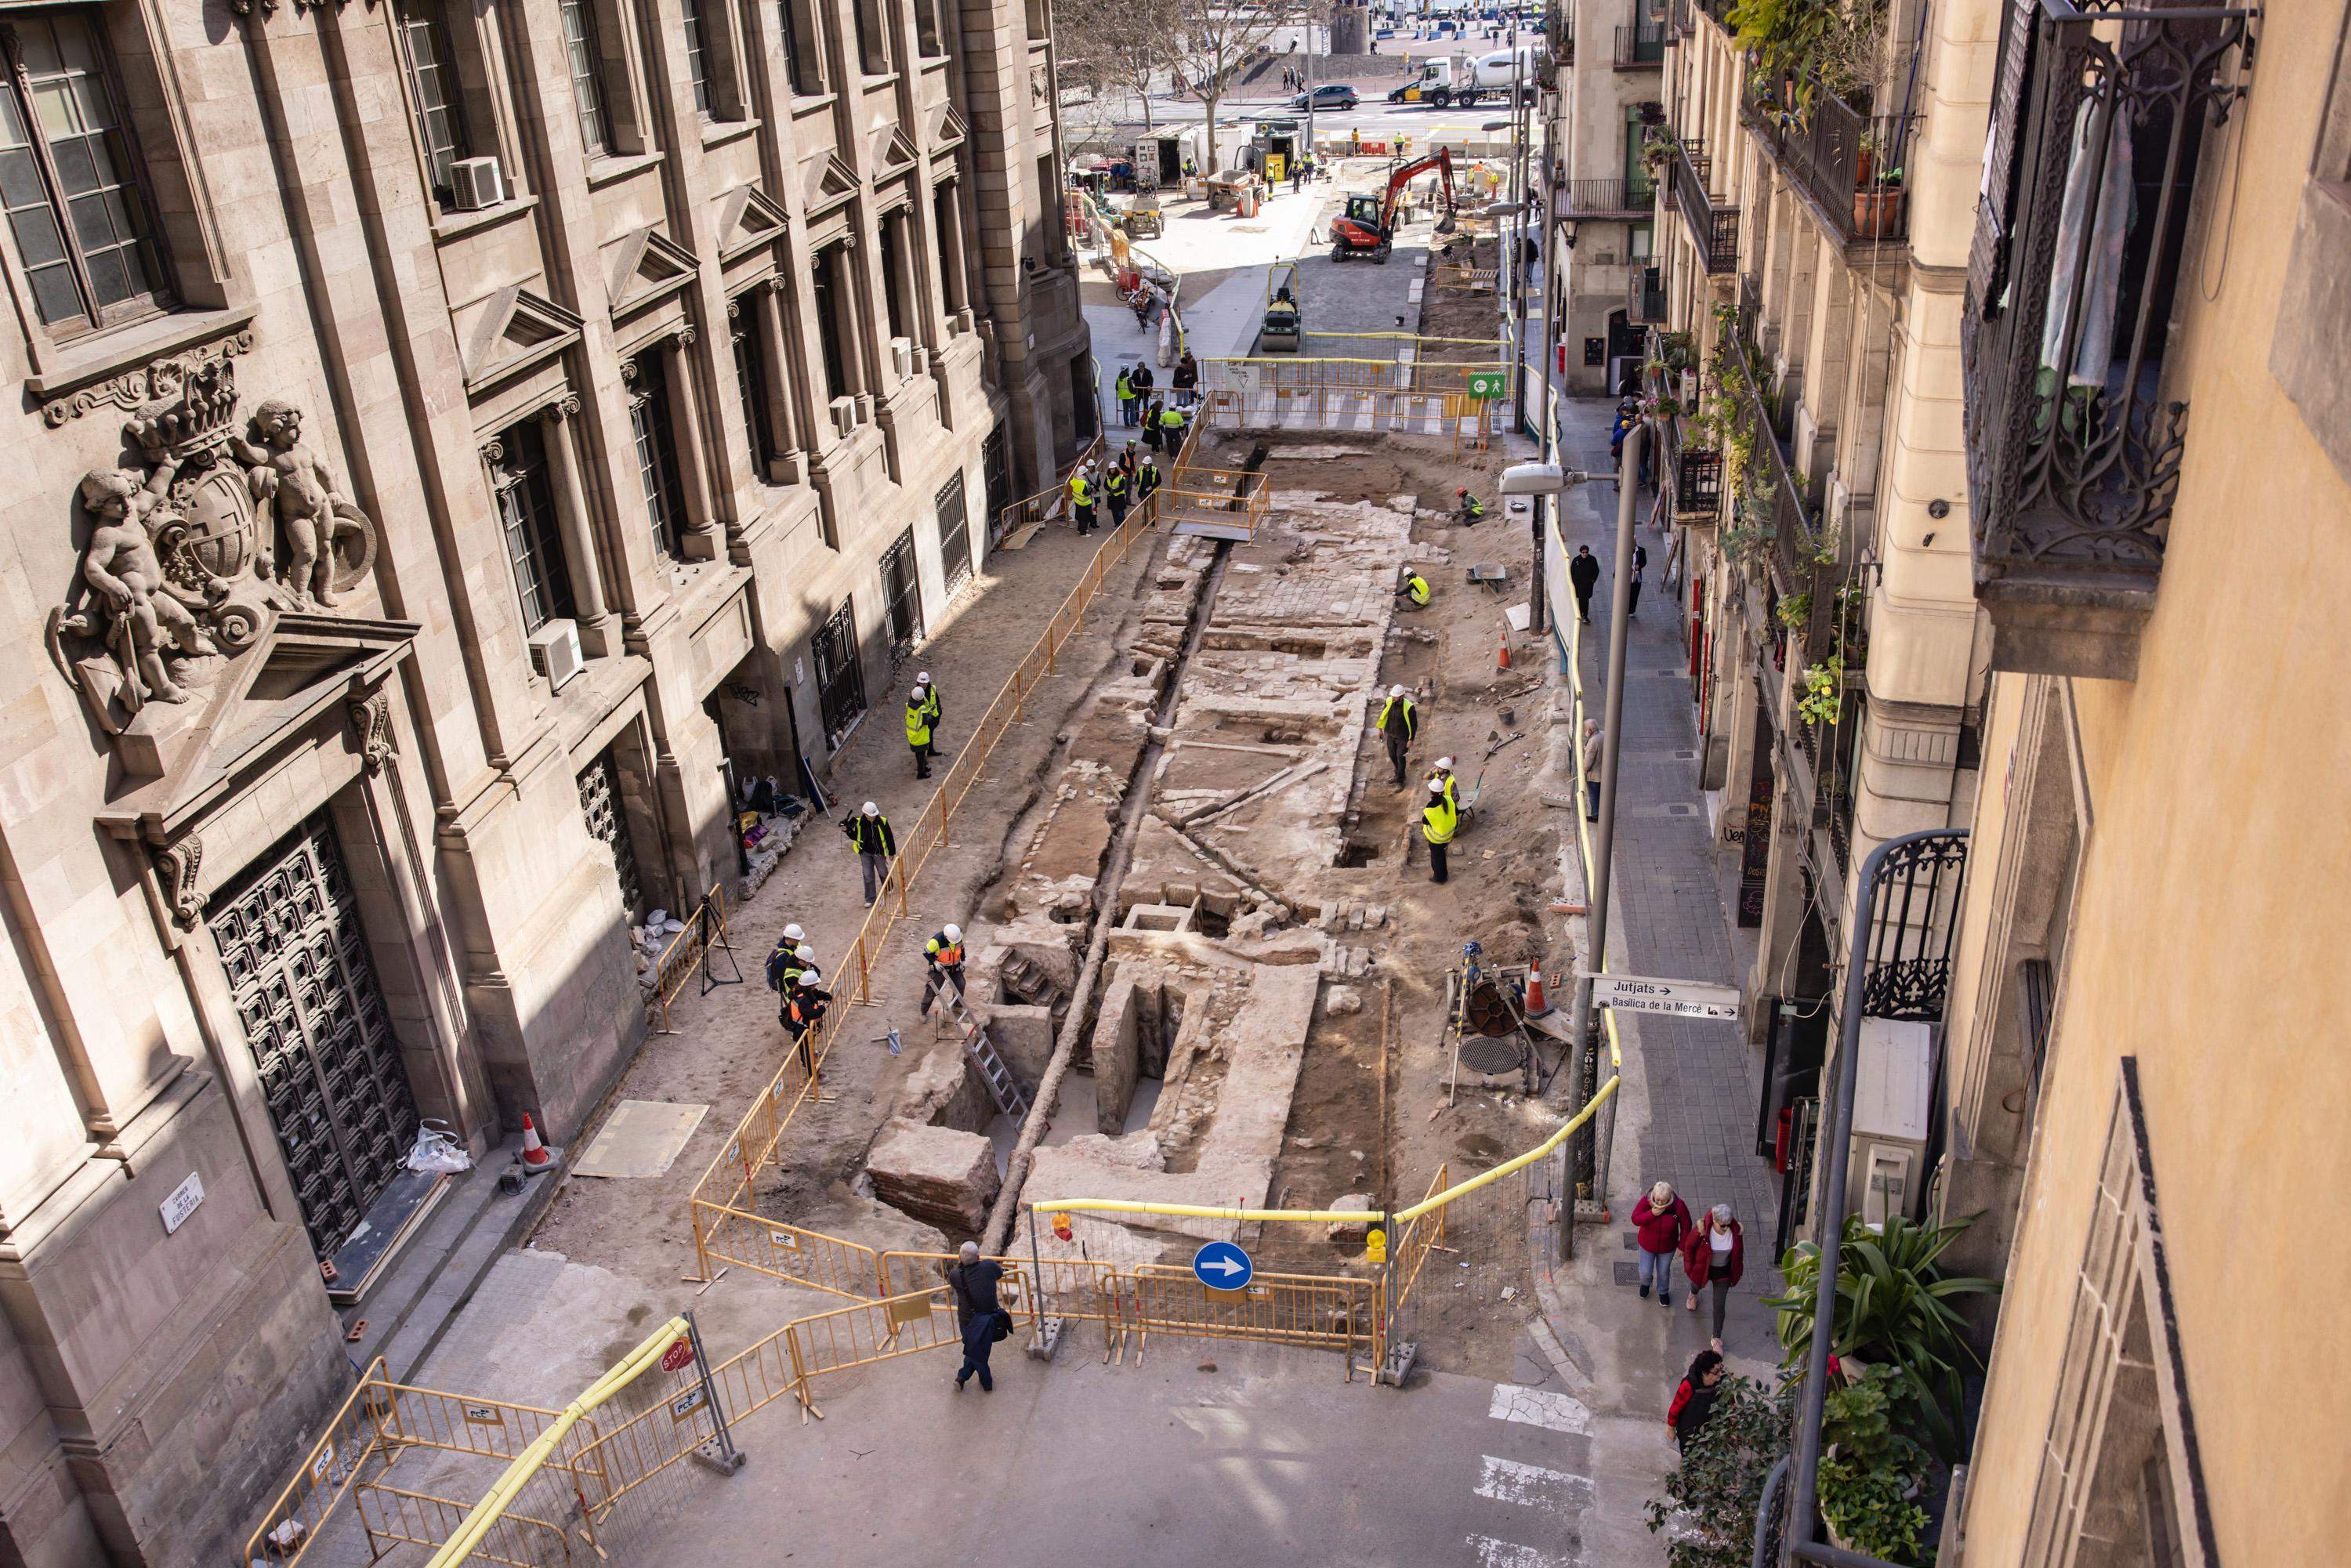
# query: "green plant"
1711, 1494
1741, 540
1893, 1303
1872, 1511
1870, 1467
1824, 698
1795, 611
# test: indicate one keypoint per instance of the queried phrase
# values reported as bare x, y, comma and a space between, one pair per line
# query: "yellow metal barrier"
1049, 505
679, 961
420, 1518
865, 1332
1333, 1312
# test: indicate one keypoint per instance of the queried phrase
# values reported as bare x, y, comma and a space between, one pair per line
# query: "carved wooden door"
290, 940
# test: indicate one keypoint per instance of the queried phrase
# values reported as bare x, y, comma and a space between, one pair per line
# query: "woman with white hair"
1660, 1220
1715, 1254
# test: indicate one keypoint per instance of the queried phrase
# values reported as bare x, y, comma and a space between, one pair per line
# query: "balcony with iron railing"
1848, 161
1713, 225
1559, 34
1632, 198
2082, 258
1644, 297
1640, 43
1695, 471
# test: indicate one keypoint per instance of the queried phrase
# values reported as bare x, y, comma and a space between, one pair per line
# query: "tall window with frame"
699, 61
928, 38
656, 448
67, 177
526, 499
581, 54
873, 36
751, 382
437, 94
830, 321
801, 25
896, 280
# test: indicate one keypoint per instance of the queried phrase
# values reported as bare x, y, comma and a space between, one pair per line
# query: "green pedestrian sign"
1488, 383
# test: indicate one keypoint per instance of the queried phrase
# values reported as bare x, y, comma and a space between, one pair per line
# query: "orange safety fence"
680, 960
1468, 422
1333, 1312
1049, 505
419, 1519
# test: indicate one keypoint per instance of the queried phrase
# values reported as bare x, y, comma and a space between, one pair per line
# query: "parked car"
1330, 95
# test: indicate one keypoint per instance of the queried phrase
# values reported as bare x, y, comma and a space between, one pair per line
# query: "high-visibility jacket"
1081, 493
871, 835
1406, 715
1116, 485
1452, 795
1440, 818
784, 968
1416, 587
1473, 505
1147, 479
931, 706
938, 950
1125, 387
918, 722
1170, 419
804, 1006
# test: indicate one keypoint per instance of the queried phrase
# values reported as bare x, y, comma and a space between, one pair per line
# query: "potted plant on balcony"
1878, 208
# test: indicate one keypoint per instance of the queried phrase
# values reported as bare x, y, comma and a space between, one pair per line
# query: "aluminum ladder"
982, 1051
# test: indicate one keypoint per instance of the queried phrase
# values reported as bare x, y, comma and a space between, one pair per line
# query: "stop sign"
677, 1355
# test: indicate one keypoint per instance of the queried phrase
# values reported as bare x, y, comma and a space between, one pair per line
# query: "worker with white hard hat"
868, 833
943, 964
783, 962
1399, 721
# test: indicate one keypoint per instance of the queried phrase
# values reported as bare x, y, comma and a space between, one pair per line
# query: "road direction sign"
1675, 999
1221, 1266
1487, 383
677, 1355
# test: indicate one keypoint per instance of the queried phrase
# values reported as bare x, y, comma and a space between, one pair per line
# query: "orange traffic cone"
1503, 663
1538, 1005
533, 1153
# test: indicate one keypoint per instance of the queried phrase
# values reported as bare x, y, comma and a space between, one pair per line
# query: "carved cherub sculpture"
296, 485
122, 569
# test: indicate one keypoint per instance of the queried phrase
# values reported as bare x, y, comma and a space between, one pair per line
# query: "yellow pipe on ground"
508, 1486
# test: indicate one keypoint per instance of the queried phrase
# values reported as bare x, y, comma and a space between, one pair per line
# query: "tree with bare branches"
1119, 44
1213, 43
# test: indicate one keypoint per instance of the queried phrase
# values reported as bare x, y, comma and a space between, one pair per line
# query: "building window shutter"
1996, 200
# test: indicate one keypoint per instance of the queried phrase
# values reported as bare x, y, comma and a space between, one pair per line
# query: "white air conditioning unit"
901, 357
844, 415
477, 182
555, 653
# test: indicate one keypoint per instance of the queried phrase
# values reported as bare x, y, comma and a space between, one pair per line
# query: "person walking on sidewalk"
1439, 817
1693, 1403
1640, 565
868, 833
979, 1314
1592, 750
1660, 1220
1584, 573
1715, 1254
1399, 719
918, 730
943, 964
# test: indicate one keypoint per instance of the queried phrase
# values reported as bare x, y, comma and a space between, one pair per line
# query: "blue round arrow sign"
1221, 1266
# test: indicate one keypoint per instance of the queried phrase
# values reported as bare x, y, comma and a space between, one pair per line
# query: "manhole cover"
1628, 1273
1480, 1054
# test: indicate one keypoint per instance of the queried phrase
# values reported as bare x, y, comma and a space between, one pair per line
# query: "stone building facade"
455, 443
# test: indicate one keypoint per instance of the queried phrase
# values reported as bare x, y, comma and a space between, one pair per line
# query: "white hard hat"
1445, 764
794, 933
1396, 691
1436, 780
955, 932
805, 951
871, 809
924, 679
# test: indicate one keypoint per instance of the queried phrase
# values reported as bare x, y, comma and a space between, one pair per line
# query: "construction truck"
1367, 228
1283, 324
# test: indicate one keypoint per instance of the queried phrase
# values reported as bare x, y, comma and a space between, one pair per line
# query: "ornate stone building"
453, 443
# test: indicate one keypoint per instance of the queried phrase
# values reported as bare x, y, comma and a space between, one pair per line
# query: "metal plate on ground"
1628, 1274
639, 1138
1480, 1054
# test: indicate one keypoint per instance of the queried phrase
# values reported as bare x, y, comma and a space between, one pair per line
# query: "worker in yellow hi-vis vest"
918, 730
1082, 500
1439, 817
1415, 592
1399, 721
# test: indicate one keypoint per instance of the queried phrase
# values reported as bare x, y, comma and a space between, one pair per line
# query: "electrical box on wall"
1894, 1078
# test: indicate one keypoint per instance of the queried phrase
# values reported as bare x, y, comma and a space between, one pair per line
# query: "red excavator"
1368, 225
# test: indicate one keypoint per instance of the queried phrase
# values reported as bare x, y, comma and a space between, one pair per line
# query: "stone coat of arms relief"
221, 523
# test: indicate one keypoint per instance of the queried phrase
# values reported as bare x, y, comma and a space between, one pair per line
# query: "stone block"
1115, 1055
1350, 1232
1023, 1037
941, 1175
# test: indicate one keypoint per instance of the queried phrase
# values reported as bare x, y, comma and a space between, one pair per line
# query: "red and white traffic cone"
533, 1153
1503, 662
1538, 1005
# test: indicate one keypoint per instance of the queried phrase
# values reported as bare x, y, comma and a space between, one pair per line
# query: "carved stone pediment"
893, 154
827, 183
177, 759
515, 330
646, 264
949, 130
746, 219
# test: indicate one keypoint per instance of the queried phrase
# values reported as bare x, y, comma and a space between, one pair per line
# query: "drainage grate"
1628, 1274
1681, 808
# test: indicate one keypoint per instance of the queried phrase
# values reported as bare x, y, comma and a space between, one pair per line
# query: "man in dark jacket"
1694, 1400
978, 1314
1399, 721
1584, 573
1640, 565
868, 833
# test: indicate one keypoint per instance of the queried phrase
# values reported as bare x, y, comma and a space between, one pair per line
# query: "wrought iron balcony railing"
1641, 43
1644, 297
2102, 118
1559, 34
1713, 226
1851, 164
1607, 198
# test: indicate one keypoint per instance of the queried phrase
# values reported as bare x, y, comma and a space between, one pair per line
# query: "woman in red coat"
1659, 1222
1715, 1253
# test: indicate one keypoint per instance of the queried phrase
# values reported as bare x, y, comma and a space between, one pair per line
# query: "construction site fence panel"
390, 1517
1466, 421
1285, 373
1322, 1311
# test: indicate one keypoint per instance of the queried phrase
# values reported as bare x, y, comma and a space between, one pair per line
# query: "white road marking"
1531, 1486
1539, 1408
1492, 1552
